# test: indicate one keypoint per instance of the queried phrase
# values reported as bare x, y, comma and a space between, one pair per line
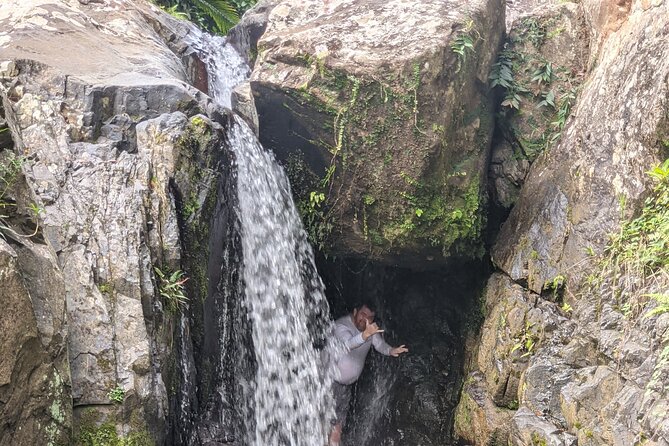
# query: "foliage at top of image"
216, 16
537, 93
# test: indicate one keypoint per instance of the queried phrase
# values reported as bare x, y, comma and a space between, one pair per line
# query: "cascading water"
291, 400
289, 397
226, 68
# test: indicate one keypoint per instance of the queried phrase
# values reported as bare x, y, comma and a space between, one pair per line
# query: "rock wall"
118, 160
35, 403
385, 121
537, 75
566, 355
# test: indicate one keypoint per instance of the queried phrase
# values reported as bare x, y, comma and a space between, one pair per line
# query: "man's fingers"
379, 331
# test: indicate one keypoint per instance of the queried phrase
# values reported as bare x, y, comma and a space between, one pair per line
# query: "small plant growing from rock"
464, 42
662, 304
9, 172
105, 288
538, 440
117, 394
525, 341
171, 287
555, 287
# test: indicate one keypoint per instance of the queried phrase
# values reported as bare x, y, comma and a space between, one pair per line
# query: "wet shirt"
351, 363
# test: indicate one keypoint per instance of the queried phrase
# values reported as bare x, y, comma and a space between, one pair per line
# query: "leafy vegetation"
10, 169
526, 340
9, 172
537, 95
315, 219
662, 307
555, 287
464, 42
534, 30
117, 394
106, 435
502, 75
171, 288
217, 16
634, 273
643, 243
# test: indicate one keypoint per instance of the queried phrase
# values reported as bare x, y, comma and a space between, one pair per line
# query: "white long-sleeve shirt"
350, 364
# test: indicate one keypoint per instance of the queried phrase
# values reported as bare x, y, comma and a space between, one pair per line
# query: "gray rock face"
601, 157
593, 380
389, 122
529, 428
34, 375
114, 152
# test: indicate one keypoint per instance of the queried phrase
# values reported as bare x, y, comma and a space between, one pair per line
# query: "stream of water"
283, 295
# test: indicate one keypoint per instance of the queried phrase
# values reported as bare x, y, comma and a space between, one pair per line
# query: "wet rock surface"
388, 120
410, 399
35, 400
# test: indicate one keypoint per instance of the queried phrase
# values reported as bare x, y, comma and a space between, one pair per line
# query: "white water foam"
283, 294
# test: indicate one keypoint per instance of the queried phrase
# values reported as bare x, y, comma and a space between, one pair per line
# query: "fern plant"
222, 12
464, 42
117, 394
217, 16
171, 287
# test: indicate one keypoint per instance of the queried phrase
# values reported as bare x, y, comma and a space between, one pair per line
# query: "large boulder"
379, 110
518, 324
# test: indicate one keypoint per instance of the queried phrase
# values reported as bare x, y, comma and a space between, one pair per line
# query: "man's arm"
381, 346
350, 340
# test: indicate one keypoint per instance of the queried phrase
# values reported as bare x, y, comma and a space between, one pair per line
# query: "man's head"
363, 314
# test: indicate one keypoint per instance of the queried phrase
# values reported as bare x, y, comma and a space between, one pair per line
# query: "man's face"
362, 316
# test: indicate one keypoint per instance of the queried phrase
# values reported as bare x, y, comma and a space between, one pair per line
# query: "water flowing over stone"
283, 294
225, 67
291, 400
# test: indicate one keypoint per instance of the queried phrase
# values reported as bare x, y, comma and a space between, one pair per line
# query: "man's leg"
335, 435
342, 397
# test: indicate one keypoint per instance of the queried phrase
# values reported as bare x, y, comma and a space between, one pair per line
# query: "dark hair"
365, 303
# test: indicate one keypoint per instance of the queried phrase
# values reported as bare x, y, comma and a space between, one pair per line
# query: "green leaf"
222, 12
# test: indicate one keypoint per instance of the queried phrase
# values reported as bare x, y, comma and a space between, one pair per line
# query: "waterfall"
290, 398
225, 67
287, 396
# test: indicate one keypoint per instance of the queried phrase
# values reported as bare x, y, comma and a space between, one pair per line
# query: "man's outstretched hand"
370, 330
396, 351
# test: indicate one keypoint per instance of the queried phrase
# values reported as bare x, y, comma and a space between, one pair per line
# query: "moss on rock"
377, 126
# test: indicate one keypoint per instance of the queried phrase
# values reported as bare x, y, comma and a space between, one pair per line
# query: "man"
358, 332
